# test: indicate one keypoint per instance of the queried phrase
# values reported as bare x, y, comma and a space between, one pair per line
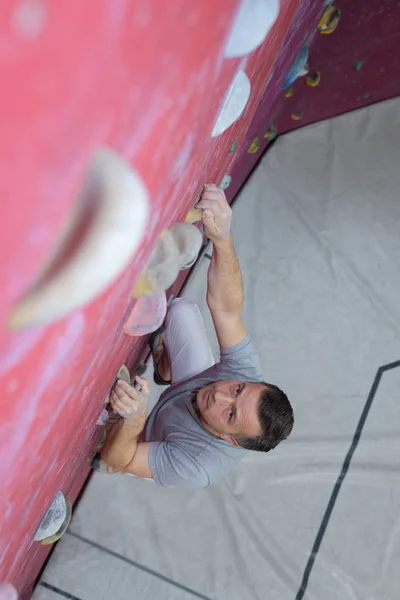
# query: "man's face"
229, 408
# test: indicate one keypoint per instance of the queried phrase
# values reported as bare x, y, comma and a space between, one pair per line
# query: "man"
211, 413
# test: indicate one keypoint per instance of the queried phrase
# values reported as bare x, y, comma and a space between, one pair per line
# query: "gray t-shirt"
183, 452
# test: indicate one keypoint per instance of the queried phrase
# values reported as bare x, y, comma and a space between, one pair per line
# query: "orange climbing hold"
194, 215
289, 93
297, 116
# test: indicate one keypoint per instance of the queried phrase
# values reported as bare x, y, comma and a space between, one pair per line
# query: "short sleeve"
173, 466
241, 360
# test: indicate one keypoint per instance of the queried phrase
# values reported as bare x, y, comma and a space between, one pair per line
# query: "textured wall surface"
359, 64
150, 80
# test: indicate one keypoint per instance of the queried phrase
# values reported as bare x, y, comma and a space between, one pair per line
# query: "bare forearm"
225, 285
121, 444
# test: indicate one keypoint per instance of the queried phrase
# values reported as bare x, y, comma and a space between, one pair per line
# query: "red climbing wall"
359, 64
148, 79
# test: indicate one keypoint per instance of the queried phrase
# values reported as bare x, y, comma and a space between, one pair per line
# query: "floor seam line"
137, 565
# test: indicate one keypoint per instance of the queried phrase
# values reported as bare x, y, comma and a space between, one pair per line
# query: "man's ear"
230, 439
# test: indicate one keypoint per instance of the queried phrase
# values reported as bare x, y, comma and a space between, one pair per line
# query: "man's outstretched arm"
225, 286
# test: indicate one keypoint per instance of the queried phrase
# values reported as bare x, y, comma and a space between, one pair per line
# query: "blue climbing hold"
298, 68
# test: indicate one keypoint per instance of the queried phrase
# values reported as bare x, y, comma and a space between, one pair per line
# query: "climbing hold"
102, 440
329, 20
358, 65
147, 314
123, 373
297, 116
233, 147
234, 103
314, 79
97, 244
55, 521
226, 181
298, 69
161, 269
194, 215
8, 592
254, 20
189, 240
271, 133
254, 146
102, 419
289, 93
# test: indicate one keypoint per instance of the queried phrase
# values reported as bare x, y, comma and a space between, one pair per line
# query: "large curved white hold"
8, 592
189, 240
107, 225
252, 24
53, 519
234, 103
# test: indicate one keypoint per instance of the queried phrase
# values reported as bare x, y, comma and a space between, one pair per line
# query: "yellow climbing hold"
194, 215
314, 79
329, 20
254, 146
289, 93
297, 116
271, 133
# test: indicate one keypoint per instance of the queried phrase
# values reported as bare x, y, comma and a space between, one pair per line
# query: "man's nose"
221, 398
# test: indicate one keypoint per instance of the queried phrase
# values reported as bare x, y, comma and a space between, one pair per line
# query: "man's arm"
121, 449
225, 287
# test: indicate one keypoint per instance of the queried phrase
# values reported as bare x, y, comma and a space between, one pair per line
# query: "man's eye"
238, 388
230, 415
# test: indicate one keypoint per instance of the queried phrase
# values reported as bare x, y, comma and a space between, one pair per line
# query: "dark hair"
276, 419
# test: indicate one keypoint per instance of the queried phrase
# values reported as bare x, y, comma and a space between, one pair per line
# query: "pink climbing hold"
8, 592
147, 314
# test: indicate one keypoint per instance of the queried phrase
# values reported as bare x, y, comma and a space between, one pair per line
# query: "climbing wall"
353, 60
113, 116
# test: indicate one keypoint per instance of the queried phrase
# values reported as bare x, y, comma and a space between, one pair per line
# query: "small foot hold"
254, 146
329, 20
297, 116
314, 79
271, 133
147, 314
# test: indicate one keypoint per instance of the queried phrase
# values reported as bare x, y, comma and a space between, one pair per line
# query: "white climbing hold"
8, 592
53, 519
102, 235
234, 103
253, 21
189, 240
